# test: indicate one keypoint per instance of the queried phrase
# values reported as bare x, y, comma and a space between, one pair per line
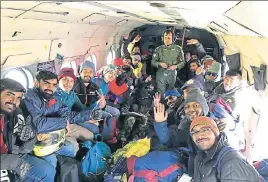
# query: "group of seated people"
201, 117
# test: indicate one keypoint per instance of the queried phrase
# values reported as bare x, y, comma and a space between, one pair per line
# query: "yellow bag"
137, 148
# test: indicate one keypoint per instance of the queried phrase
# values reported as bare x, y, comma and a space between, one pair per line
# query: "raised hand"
137, 39
192, 42
159, 113
157, 98
199, 70
149, 78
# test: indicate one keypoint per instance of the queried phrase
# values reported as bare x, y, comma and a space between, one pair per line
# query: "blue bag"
95, 163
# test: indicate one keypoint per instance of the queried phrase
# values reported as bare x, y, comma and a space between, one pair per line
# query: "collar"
61, 92
221, 141
168, 47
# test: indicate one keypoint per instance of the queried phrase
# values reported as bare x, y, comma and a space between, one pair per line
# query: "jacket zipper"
85, 95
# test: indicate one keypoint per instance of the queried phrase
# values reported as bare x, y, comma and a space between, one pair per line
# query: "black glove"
125, 110
96, 114
22, 169
27, 132
129, 82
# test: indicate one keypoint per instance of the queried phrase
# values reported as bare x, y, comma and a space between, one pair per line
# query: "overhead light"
158, 5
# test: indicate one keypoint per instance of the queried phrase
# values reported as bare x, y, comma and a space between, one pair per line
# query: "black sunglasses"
211, 74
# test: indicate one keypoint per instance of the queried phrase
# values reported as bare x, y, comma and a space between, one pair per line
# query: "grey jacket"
234, 166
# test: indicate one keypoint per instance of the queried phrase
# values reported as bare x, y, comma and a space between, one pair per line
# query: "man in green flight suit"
168, 58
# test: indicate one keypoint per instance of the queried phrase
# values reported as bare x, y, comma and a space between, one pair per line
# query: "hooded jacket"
234, 166
50, 115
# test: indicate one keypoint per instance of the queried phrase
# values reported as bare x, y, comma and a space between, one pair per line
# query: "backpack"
224, 151
221, 155
68, 170
259, 75
117, 172
141, 170
95, 162
262, 168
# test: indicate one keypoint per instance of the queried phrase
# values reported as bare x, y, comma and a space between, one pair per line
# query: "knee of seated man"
41, 169
67, 149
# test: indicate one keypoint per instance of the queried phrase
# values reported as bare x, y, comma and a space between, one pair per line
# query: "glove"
22, 169
27, 132
129, 82
124, 110
96, 114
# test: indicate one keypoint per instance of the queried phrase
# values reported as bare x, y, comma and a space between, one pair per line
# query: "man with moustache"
215, 162
65, 95
174, 137
49, 114
92, 93
167, 58
173, 100
17, 139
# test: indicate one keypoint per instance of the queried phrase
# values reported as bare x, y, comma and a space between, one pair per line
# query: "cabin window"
110, 57
73, 65
94, 60
22, 75
30, 77
66, 65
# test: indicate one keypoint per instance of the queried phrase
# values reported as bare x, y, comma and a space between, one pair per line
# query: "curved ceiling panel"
251, 14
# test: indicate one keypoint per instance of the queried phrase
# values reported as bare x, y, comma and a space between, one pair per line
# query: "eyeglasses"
202, 130
211, 74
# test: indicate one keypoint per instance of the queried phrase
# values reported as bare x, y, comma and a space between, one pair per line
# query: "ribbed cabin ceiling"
34, 29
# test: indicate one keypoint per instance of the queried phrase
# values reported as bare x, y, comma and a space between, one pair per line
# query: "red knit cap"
67, 72
118, 62
206, 121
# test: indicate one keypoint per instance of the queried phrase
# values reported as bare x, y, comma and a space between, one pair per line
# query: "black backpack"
259, 75
68, 170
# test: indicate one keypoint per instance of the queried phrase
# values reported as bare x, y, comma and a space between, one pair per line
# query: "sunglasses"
202, 130
211, 74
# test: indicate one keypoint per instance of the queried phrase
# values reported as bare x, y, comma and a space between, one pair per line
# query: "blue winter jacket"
51, 116
102, 85
68, 99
